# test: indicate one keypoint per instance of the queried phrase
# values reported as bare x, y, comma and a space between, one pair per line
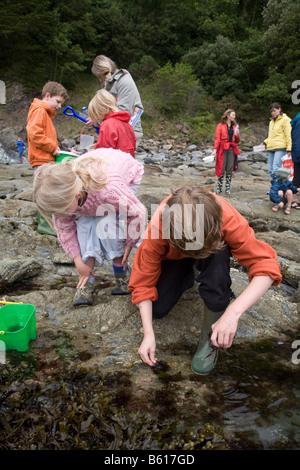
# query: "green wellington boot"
206, 355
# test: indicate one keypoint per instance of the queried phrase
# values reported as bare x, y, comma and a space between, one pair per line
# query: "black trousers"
178, 276
296, 179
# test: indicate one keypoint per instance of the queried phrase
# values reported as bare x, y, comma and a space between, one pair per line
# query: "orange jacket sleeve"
259, 257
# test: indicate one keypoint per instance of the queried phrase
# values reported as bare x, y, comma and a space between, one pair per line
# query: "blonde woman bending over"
121, 85
98, 187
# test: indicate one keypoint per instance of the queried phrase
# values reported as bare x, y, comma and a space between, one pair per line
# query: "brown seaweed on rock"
72, 410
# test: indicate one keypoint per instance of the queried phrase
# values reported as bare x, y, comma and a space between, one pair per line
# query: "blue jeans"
101, 237
274, 161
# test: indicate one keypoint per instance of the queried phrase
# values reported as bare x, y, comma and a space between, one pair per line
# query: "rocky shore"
34, 269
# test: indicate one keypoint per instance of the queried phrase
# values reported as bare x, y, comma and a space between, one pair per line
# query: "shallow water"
253, 395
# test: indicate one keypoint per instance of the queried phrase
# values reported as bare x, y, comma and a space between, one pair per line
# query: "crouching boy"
179, 241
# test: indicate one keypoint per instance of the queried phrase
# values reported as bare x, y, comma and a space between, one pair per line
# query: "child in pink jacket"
99, 187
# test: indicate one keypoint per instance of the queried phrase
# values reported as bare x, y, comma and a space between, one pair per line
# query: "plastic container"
287, 162
209, 159
86, 141
63, 155
84, 112
259, 148
17, 326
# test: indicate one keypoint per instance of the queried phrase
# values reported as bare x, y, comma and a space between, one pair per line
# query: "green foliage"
282, 37
233, 46
177, 90
274, 88
203, 125
145, 68
218, 67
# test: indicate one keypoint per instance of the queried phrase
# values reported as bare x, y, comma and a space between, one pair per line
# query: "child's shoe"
84, 295
121, 282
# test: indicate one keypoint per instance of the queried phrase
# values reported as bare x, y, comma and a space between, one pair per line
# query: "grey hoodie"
122, 86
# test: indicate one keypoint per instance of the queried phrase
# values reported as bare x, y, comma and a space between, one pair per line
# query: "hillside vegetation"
191, 59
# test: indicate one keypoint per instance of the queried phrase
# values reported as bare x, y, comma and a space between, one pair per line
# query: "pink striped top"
123, 171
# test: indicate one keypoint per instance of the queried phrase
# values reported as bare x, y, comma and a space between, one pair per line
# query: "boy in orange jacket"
41, 133
195, 229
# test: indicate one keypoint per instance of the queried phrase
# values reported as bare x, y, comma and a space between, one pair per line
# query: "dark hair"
275, 105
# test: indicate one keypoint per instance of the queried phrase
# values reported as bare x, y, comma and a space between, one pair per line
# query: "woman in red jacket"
115, 131
225, 148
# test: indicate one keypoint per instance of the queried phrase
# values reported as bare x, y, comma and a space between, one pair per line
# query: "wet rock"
4, 158
12, 271
167, 164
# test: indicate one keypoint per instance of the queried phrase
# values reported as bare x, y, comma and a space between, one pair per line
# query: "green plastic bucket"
17, 326
63, 155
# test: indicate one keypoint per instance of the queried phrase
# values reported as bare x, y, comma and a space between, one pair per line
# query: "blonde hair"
103, 65
226, 114
102, 104
55, 185
212, 221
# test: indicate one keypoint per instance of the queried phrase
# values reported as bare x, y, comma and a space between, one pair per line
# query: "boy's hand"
224, 330
147, 351
57, 152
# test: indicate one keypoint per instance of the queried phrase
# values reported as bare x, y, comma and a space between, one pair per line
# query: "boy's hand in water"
147, 351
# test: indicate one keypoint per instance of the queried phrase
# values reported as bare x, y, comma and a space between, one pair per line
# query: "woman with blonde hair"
115, 131
98, 187
121, 85
225, 149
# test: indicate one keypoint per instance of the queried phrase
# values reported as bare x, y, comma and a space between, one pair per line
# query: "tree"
177, 90
281, 43
218, 67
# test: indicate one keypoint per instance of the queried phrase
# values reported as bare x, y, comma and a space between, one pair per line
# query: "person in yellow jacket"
279, 141
41, 133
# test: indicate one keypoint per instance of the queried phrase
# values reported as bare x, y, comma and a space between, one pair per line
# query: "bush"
144, 69
203, 125
177, 91
275, 88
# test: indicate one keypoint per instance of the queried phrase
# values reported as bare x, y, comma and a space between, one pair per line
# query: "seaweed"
71, 409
